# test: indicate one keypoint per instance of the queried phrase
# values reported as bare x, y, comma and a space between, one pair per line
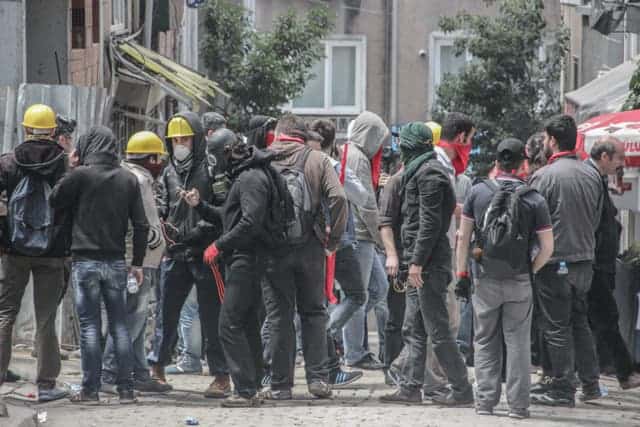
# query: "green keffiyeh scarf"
415, 148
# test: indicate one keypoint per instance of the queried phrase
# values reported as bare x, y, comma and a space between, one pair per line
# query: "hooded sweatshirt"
368, 132
45, 159
186, 232
102, 198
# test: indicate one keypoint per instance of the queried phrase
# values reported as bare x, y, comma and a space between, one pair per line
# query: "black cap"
511, 149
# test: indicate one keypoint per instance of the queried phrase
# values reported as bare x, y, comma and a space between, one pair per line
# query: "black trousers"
603, 318
396, 301
240, 323
296, 279
177, 277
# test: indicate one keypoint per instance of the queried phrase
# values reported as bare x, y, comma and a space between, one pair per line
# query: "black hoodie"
186, 231
46, 159
244, 214
102, 197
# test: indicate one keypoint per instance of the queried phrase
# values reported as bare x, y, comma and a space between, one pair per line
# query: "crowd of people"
290, 240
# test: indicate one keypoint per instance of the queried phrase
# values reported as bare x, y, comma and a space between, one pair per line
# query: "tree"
261, 70
633, 99
509, 88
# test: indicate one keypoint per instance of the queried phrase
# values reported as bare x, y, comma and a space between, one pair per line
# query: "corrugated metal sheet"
89, 106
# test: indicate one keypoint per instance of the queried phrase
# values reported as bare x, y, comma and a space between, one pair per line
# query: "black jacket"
46, 159
244, 213
427, 206
188, 234
102, 197
608, 231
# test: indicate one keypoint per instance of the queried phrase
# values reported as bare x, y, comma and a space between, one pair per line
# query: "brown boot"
219, 388
157, 374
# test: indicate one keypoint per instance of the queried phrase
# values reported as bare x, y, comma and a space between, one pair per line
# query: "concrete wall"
47, 27
11, 48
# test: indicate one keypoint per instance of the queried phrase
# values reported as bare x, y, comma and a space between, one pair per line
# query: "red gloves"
210, 254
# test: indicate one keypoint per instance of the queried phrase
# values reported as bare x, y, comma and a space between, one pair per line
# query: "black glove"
463, 288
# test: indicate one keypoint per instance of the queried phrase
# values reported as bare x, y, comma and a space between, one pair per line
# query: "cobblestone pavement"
357, 406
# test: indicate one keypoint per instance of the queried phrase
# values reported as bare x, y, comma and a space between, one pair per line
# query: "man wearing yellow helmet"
144, 160
35, 245
187, 234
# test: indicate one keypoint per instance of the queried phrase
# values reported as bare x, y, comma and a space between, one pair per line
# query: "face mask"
270, 137
155, 169
461, 160
181, 153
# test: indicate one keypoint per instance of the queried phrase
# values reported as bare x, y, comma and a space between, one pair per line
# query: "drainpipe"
394, 63
148, 23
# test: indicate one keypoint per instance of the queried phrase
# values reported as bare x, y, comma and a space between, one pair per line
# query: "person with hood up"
364, 156
427, 210
187, 235
39, 159
261, 131
244, 246
103, 197
211, 122
296, 277
144, 160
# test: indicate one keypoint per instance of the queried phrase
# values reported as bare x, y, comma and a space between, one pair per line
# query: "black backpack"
503, 233
30, 217
281, 210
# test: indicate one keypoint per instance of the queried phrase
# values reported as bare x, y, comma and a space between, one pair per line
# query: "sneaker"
551, 398
181, 368
82, 396
219, 388
108, 388
237, 401
151, 386
451, 399
368, 363
391, 378
127, 397
432, 392
266, 380
542, 386
402, 395
590, 393
11, 377
519, 413
484, 410
51, 394
632, 382
271, 394
3, 409
344, 378
320, 389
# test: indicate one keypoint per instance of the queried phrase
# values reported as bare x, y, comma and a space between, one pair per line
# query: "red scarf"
288, 138
376, 168
561, 154
463, 151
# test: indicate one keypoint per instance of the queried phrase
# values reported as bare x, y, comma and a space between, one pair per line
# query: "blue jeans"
95, 280
375, 278
190, 334
137, 315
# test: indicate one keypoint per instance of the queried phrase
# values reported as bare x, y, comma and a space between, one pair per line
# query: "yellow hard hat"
39, 116
145, 142
179, 126
436, 130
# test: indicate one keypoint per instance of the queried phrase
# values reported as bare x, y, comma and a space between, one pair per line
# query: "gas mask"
217, 163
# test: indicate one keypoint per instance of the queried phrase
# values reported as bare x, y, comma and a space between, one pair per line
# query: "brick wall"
84, 62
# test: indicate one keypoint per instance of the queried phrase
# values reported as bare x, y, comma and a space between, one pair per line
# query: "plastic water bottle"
132, 284
563, 270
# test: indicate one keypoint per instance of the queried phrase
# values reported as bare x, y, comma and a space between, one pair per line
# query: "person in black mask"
261, 131
217, 163
187, 235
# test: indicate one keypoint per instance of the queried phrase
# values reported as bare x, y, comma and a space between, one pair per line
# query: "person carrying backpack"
296, 277
509, 219
35, 242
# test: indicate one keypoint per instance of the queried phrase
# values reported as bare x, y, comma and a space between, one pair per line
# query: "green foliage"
261, 70
507, 88
633, 100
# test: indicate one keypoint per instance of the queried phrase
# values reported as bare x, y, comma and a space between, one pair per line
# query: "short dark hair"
327, 130
510, 165
602, 146
563, 128
454, 124
292, 125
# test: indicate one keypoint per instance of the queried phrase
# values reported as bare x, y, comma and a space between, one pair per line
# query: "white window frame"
437, 40
360, 43
121, 9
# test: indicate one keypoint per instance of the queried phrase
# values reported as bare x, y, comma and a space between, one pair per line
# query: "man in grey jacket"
364, 149
574, 195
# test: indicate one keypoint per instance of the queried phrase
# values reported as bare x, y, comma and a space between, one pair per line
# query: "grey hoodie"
368, 132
